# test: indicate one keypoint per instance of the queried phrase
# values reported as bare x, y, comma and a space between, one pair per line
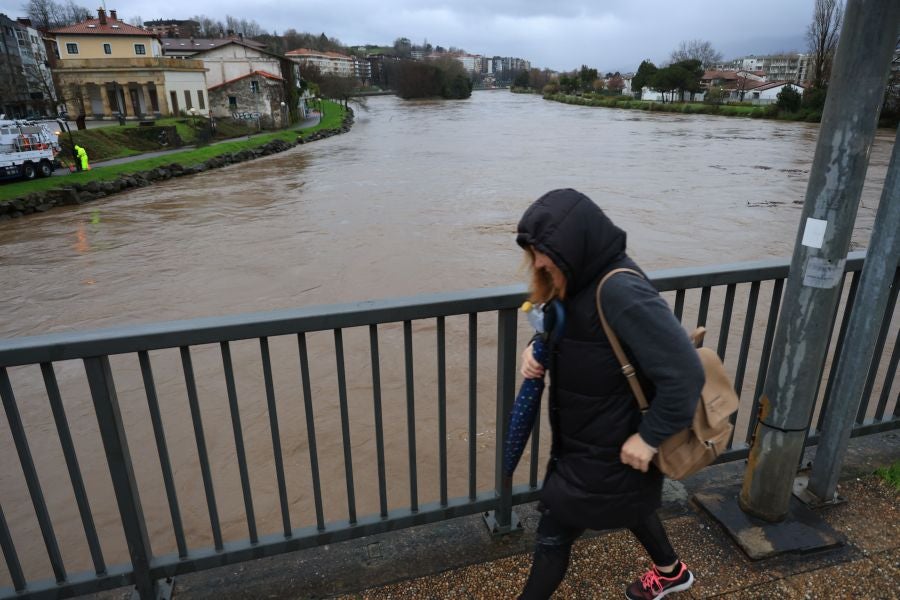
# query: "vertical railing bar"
345, 424
10, 556
473, 400
879, 348
310, 430
231, 390
276, 435
410, 415
704, 306
31, 477
68, 448
726, 320
679, 304
121, 471
774, 309
845, 321
197, 420
889, 381
379, 424
746, 337
442, 406
535, 448
506, 393
162, 450
750, 316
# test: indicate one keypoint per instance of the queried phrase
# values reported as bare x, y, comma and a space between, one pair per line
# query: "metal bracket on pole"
164, 590
496, 528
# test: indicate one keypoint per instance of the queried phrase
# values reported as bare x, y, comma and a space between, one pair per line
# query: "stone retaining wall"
79, 193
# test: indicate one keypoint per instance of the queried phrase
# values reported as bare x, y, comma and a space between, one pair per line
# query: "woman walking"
600, 474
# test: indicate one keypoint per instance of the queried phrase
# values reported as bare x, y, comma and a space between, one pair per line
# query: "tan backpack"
691, 449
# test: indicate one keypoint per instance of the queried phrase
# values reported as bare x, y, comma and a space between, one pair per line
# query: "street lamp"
283, 119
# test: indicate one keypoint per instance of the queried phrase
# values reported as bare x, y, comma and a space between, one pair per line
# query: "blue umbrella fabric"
528, 401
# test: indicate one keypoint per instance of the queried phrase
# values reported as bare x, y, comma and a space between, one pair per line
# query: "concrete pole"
856, 355
835, 184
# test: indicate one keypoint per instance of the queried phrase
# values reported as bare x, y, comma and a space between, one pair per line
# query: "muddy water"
418, 197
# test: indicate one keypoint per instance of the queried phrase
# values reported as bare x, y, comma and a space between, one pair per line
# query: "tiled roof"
776, 84
111, 27
265, 74
199, 44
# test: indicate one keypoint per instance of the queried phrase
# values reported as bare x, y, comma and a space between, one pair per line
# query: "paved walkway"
305, 124
459, 559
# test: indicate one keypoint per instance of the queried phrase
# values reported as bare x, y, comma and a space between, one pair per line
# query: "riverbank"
40, 195
769, 111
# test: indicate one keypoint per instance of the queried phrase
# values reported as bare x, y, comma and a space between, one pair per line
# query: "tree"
822, 37
615, 83
586, 78
699, 50
521, 80
339, 88
599, 85
789, 99
714, 95
48, 14
403, 47
643, 76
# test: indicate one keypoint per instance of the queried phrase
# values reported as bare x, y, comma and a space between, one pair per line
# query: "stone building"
108, 68
257, 97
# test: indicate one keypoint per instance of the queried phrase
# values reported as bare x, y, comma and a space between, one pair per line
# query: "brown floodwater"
419, 197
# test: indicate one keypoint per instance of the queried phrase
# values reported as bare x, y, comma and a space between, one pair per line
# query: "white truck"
28, 149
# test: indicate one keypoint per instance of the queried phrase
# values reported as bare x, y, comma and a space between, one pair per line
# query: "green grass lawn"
334, 115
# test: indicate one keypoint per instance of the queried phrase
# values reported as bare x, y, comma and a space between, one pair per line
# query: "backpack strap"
628, 369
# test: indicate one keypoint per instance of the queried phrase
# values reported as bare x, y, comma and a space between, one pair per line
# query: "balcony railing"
295, 362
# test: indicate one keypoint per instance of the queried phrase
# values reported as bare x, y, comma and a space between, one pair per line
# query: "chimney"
101, 14
112, 15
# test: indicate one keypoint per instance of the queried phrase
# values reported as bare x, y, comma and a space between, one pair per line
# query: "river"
418, 197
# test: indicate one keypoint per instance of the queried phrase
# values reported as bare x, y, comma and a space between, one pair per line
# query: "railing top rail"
207, 330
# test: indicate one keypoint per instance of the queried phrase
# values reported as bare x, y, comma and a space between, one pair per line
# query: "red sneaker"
653, 585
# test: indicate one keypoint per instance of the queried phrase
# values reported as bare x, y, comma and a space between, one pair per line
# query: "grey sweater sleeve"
652, 335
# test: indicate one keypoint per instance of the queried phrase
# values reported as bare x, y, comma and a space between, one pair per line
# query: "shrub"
814, 98
789, 99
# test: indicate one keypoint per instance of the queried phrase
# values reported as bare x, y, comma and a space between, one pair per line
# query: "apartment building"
26, 84
329, 63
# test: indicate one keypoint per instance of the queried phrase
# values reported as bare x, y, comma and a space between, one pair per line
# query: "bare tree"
696, 50
822, 37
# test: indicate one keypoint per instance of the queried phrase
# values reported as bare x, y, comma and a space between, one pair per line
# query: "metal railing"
756, 306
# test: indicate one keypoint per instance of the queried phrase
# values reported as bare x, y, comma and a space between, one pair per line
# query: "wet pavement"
459, 559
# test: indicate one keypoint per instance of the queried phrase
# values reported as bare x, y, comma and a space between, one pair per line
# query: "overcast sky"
609, 35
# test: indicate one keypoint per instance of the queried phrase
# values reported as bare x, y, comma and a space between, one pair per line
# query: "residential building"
26, 83
362, 70
329, 63
188, 47
767, 93
172, 28
777, 67
108, 68
379, 68
245, 80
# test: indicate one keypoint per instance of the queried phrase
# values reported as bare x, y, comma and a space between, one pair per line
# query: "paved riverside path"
305, 124
458, 558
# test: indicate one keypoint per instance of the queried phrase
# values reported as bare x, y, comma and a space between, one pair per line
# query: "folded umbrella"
549, 322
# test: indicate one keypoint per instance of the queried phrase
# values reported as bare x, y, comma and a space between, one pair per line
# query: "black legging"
554, 546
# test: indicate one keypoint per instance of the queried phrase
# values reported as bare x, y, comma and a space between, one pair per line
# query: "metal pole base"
801, 531
164, 589
496, 528
807, 497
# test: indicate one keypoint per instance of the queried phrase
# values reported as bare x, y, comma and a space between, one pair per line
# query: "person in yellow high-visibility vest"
81, 158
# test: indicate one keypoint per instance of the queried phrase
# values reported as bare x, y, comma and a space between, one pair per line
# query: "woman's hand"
531, 368
636, 453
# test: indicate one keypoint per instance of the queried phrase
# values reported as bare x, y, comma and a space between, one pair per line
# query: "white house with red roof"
107, 68
246, 82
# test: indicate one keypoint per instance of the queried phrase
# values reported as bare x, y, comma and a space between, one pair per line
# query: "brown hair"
541, 286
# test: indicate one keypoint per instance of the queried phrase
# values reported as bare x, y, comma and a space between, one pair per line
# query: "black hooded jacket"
592, 409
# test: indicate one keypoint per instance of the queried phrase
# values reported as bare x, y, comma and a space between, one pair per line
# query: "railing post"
856, 354
112, 431
868, 37
503, 519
